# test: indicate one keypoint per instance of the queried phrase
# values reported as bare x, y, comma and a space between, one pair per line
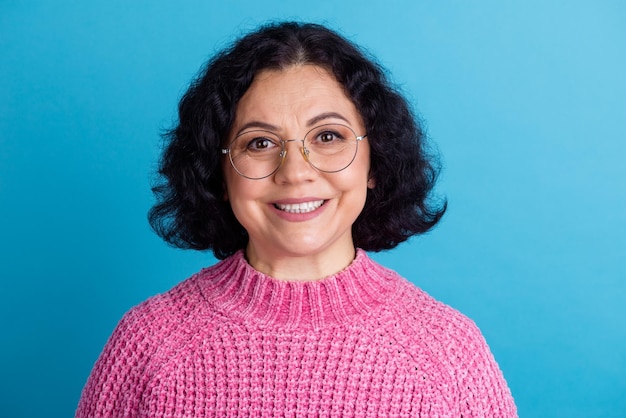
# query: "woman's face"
298, 213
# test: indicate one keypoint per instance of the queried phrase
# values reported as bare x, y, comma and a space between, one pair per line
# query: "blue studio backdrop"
526, 102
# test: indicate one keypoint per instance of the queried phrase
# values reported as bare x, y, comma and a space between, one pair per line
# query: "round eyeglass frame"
304, 151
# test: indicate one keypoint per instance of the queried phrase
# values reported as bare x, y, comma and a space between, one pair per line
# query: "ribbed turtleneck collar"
239, 291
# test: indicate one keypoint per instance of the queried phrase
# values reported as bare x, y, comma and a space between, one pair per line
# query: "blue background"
526, 101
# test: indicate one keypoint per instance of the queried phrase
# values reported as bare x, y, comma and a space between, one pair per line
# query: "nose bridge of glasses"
303, 151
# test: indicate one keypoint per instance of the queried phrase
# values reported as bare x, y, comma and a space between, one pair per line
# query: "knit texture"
231, 341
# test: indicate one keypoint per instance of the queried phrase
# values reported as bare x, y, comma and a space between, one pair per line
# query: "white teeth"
300, 207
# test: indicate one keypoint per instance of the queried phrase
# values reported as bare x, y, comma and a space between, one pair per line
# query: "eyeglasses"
257, 154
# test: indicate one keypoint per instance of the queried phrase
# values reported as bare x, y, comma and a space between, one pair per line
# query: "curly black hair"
191, 211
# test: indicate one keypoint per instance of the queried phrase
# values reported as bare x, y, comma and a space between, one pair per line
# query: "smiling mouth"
299, 207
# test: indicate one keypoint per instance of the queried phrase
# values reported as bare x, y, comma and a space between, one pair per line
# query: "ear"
371, 183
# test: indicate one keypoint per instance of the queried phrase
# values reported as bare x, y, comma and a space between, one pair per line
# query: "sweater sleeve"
482, 388
449, 343
116, 383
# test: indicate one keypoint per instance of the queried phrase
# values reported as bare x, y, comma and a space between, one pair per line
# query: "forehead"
294, 95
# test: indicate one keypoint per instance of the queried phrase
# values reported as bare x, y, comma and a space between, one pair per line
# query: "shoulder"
442, 333
436, 318
447, 346
184, 306
417, 311
140, 344
161, 311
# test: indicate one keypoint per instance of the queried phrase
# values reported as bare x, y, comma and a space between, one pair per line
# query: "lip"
298, 217
293, 201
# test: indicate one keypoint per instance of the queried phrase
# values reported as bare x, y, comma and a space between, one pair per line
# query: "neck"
300, 268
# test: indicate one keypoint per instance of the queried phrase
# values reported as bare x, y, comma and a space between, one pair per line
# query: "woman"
292, 157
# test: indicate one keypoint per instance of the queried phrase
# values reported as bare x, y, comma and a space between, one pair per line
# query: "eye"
327, 137
260, 143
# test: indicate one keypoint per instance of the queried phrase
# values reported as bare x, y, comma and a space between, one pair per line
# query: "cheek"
243, 196
232, 182
360, 175
225, 181
241, 210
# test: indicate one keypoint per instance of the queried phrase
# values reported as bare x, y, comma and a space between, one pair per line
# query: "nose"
295, 166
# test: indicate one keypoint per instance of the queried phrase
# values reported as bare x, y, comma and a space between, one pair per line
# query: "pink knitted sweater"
231, 341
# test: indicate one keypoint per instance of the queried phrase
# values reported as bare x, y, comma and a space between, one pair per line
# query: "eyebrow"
313, 121
328, 115
257, 124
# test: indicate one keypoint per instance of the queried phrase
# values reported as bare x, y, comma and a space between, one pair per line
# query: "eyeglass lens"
257, 154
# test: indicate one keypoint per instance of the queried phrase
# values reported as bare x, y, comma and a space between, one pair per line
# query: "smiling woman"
291, 158
300, 215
